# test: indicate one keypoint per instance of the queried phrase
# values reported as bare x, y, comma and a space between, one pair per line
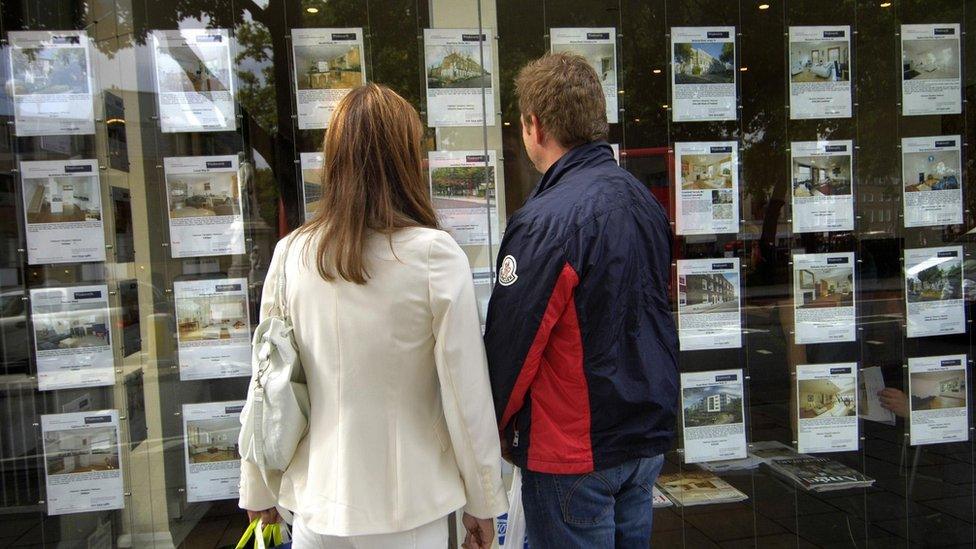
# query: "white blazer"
402, 427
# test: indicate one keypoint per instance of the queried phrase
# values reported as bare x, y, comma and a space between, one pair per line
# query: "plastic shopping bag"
511, 527
260, 536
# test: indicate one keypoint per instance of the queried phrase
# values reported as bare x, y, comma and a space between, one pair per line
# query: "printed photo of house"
930, 59
599, 56
938, 390
311, 190
332, 66
184, 70
825, 287
931, 171
712, 405
456, 67
704, 63
706, 171
62, 199
212, 317
820, 61
821, 175
462, 186
204, 195
836, 397
708, 293
49, 70
213, 440
78, 451
939, 282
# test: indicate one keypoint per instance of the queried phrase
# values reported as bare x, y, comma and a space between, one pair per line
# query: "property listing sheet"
931, 81
328, 63
213, 328
932, 180
938, 399
599, 47
72, 337
827, 407
63, 211
823, 297
82, 465
194, 80
822, 196
211, 458
870, 382
462, 184
459, 81
205, 211
820, 72
708, 187
712, 415
709, 301
51, 83
933, 291
703, 73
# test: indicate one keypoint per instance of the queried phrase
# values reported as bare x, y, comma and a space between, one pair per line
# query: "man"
581, 343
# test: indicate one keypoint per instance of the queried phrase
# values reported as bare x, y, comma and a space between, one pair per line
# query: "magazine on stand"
696, 487
818, 474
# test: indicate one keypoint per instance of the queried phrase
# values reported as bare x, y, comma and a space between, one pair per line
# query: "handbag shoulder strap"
281, 297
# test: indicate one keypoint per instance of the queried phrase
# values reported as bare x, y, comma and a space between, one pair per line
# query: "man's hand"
894, 400
268, 516
481, 532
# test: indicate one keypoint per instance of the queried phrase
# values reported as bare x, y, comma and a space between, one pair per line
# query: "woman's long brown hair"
372, 181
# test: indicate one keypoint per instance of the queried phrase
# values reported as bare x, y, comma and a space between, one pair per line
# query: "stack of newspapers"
697, 487
818, 474
660, 500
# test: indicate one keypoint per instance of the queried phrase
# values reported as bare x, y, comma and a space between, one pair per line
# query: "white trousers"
432, 535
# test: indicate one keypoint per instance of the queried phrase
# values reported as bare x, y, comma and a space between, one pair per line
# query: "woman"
402, 426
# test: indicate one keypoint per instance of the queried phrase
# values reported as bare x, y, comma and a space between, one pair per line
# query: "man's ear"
538, 135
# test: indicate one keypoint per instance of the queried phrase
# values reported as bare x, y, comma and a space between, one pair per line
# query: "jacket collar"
586, 154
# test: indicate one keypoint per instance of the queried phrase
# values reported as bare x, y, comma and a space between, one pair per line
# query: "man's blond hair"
563, 91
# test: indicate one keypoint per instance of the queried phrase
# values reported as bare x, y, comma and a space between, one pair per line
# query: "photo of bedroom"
704, 63
930, 59
207, 195
712, 405
821, 288
213, 440
930, 171
332, 66
820, 61
939, 282
212, 317
835, 397
183, 70
821, 175
62, 199
78, 451
706, 171
938, 390
599, 56
73, 329
462, 186
47, 70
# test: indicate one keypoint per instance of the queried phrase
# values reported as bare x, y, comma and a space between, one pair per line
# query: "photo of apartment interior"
821, 176
690, 482
50, 70
211, 440
186, 71
939, 282
826, 61
706, 171
456, 67
708, 293
831, 287
213, 317
931, 171
827, 397
81, 450
930, 59
463, 186
704, 63
938, 390
62, 199
338, 66
599, 56
76, 329
203, 195
712, 405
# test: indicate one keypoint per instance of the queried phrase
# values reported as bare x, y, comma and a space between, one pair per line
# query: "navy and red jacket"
580, 338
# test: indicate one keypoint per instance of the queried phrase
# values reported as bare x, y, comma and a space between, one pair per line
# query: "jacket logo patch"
506, 275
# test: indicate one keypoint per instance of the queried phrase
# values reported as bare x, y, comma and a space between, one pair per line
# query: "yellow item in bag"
270, 536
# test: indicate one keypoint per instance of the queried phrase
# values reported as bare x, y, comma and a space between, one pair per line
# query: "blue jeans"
608, 508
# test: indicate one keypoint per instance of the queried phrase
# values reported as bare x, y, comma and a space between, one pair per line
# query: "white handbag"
275, 418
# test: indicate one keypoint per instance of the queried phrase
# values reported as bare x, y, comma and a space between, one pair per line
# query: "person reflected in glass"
401, 428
